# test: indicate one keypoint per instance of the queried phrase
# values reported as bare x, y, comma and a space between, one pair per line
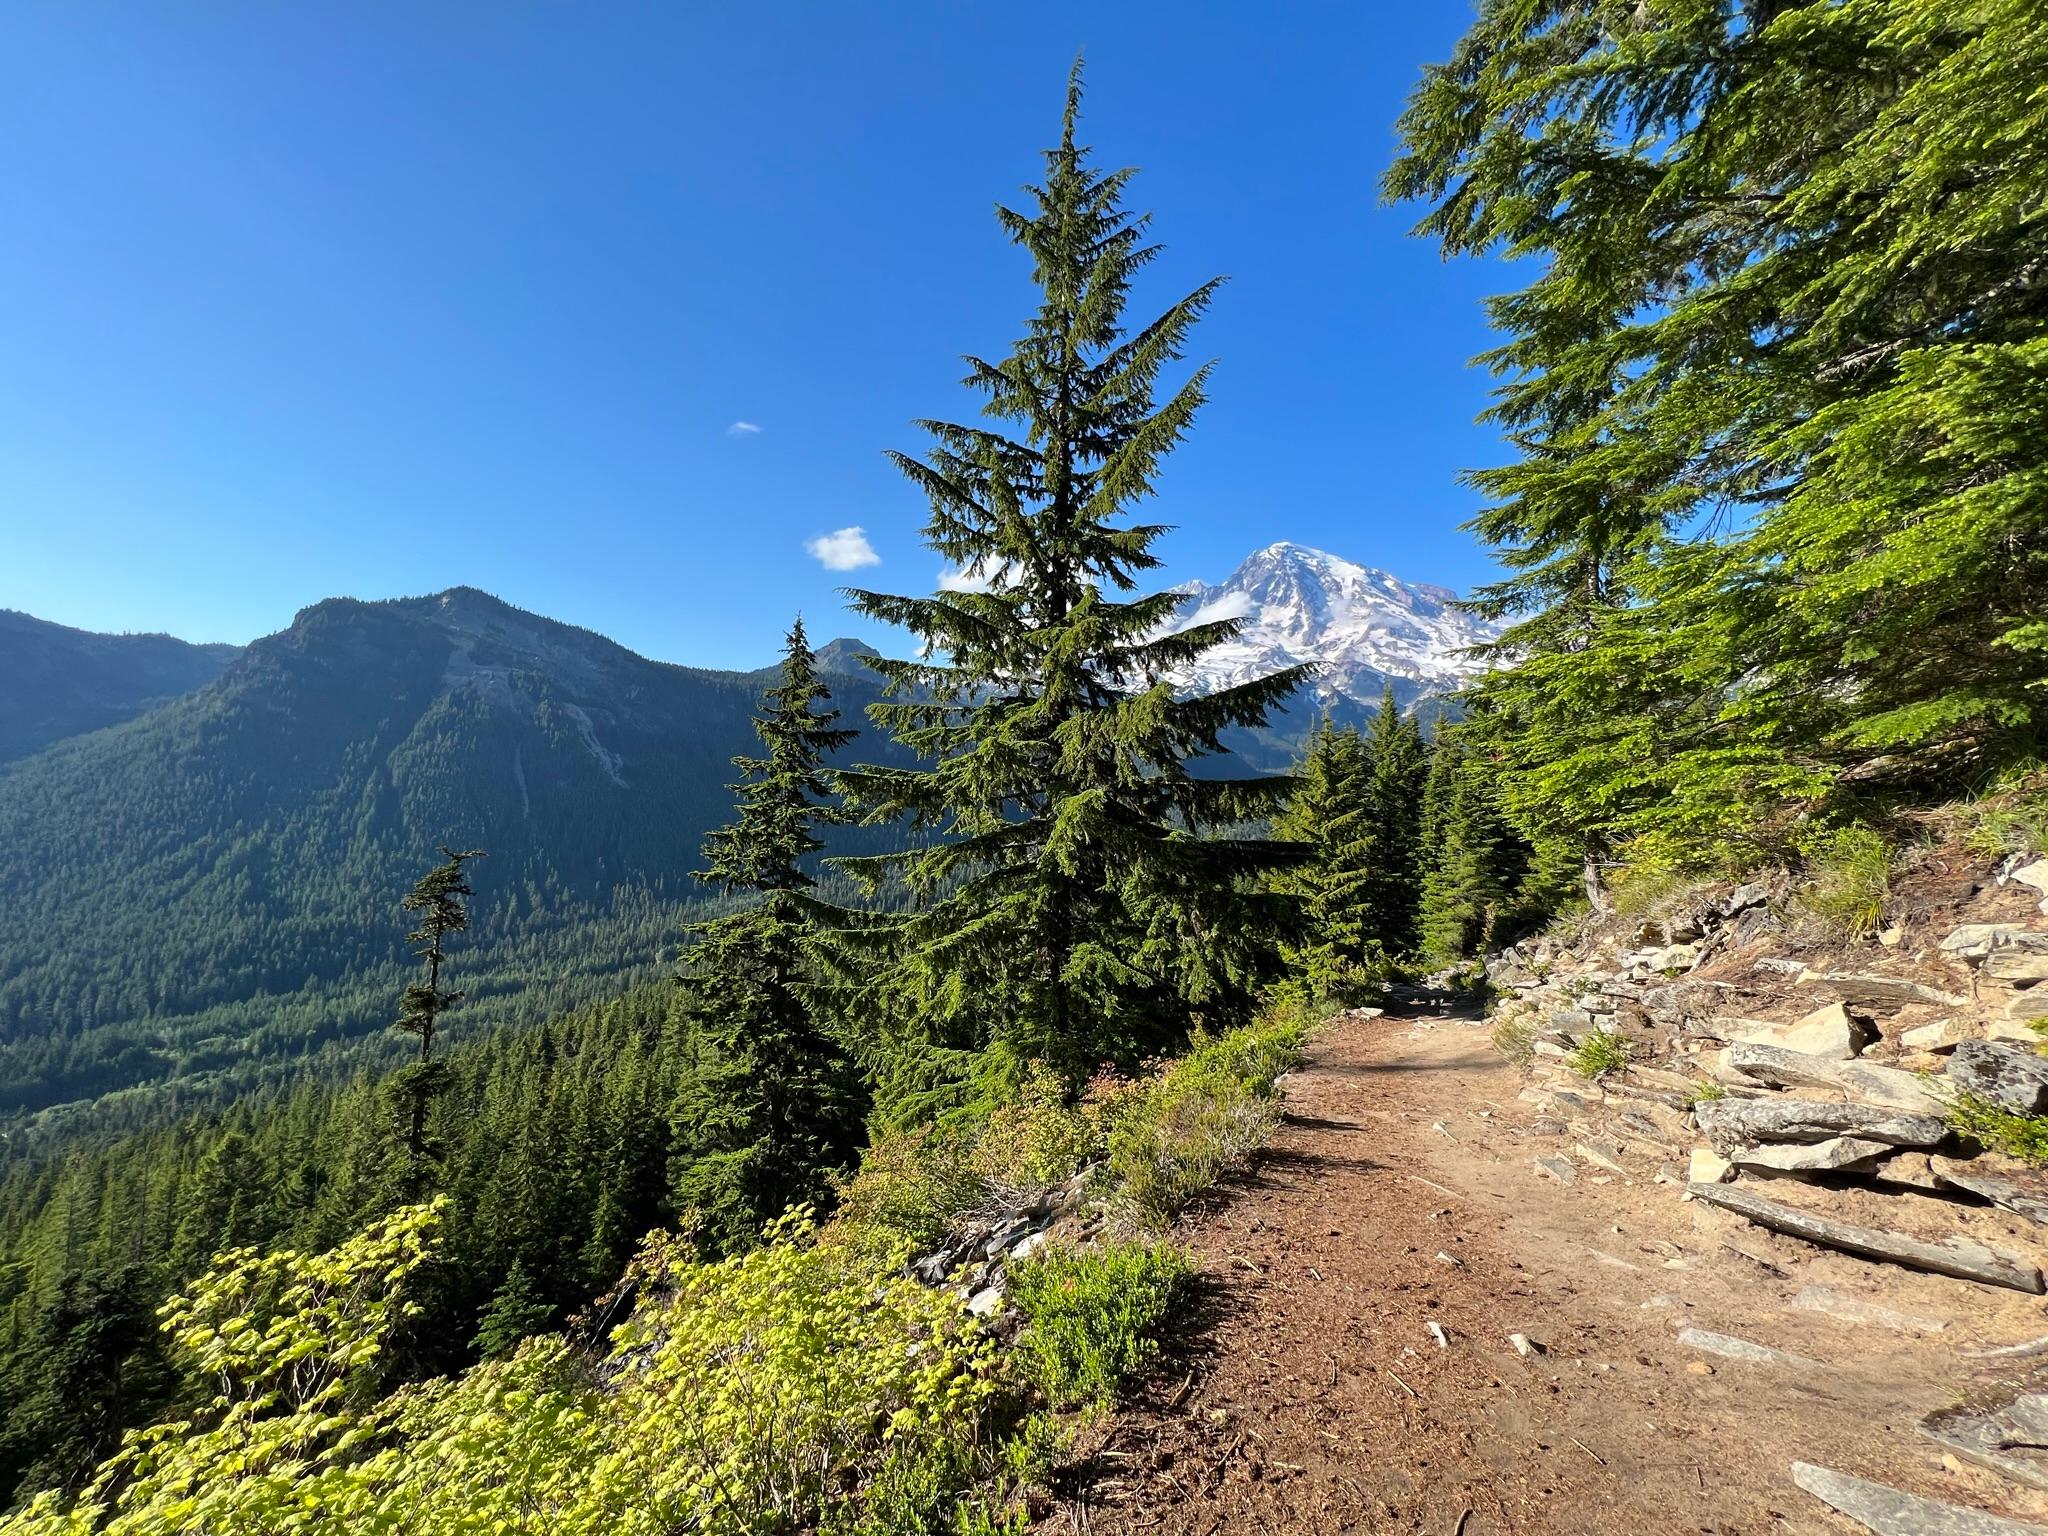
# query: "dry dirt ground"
1310, 1396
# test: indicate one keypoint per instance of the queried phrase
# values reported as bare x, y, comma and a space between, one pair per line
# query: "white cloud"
844, 549
742, 429
981, 578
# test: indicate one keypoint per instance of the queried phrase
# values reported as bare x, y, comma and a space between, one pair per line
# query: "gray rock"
1557, 1168
2030, 1004
1974, 941
2015, 965
985, 1301
1849, 1309
1956, 1256
1829, 1156
2035, 874
1873, 990
2011, 1077
1779, 965
1873, 1084
1989, 1439
1731, 1348
1892, 1513
1986, 1185
1742, 898
1745, 1122
1602, 1156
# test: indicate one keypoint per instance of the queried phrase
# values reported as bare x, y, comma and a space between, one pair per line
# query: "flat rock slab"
1732, 1123
1871, 989
1889, 1512
1829, 1156
1991, 1440
2010, 1076
1729, 1347
1557, 1168
1851, 1309
1975, 941
1867, 1081
1956, 1256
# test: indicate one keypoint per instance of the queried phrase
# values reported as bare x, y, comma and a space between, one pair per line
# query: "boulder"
1708, 1167
1833, 1032
2007, 1076
1871, 989
1940, 1035
1910, 1170
1973, 941
2030, 1004
1730, 1123
2034, 873
1831, 1156
2016, 965
1742, 898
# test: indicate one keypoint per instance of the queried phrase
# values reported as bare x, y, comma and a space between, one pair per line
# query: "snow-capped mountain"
1361, 626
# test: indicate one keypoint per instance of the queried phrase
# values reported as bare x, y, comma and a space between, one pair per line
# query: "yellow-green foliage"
1598, 1052
1849, 875
1203, 1117
2021, 1136
1647, 886
806, 1385
288, 1339
1095, 1317
2012, 815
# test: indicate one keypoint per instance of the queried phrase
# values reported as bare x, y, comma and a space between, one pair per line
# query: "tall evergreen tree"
1473, 860
1081, 904
1330, 815
1396, 763
1771, 523
772, 1103
441, 899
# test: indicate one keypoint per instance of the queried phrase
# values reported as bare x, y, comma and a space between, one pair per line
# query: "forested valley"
1773, 539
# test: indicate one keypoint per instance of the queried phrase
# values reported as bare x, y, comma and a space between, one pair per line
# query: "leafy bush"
1597, 1052
2021, 1136
1849, 873
1094, 1317
910, 1185
1203, 1117
1706, 1093
2012, 817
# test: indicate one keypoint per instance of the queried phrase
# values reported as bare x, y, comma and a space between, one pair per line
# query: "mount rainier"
1362, 627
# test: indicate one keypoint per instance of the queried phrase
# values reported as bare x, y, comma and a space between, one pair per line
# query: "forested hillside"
57, 682
237, 855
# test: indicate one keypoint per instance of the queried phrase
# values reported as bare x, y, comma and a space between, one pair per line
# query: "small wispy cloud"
978, 578
844, 549
1232, 605
743, 429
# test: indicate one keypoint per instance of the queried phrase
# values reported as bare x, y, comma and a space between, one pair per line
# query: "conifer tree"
1474, 861
1080, 904
1771, 516
1330, 814
772, 1103
517, 1311
1396, 765
441, 899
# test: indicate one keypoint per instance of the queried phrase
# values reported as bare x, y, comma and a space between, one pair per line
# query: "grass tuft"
1600, 1052
1849, 880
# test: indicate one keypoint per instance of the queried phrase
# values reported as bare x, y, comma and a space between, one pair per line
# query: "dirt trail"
1402, 1189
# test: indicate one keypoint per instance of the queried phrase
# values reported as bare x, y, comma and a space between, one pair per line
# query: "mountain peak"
1363, 627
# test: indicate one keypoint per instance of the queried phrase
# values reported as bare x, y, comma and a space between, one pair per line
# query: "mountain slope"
207, 891
57, 682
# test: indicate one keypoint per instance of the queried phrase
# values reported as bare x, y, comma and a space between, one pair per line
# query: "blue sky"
375, 299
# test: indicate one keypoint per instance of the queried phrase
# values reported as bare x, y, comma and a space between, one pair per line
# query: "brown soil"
1311, 1397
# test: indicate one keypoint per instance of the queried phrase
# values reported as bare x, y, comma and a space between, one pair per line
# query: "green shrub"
1094, 1317
1598, 1052
1849, 879
1706, 1093
908, 1189
1203, 1117
2021, 1136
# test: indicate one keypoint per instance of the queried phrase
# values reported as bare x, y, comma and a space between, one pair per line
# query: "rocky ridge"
1786, 1083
